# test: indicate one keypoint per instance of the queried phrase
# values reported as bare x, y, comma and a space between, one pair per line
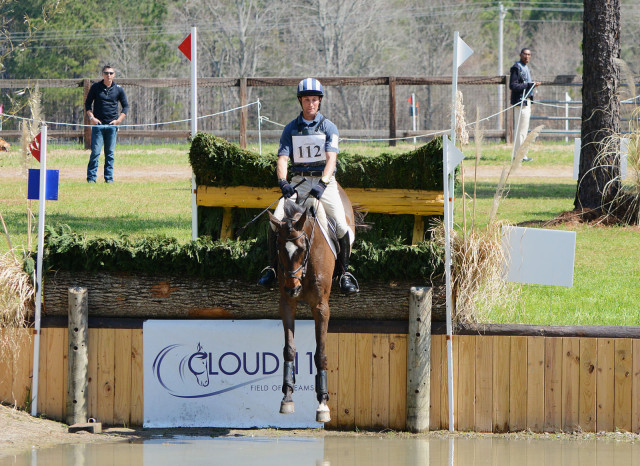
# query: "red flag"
185, 47
410, 99
34, 147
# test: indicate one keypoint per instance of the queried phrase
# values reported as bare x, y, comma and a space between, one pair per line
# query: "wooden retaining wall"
503, 382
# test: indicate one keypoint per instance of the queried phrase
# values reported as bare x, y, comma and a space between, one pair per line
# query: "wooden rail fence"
502, 382
243, 84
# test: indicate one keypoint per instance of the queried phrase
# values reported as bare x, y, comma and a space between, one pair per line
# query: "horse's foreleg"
321, 317
287, 312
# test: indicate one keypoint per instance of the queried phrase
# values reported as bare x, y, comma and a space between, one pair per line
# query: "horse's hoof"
322, 413
286, 407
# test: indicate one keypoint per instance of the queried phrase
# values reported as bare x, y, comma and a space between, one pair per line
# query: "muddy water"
338, 451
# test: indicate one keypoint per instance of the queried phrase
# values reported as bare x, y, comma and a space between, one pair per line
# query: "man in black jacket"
521, 86
101, 106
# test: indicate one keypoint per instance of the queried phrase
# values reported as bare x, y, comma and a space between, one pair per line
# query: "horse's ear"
274, 221
299, 225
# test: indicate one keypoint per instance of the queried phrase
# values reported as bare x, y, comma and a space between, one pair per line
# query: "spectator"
102, 110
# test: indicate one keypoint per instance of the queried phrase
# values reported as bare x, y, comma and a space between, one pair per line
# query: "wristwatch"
325, 179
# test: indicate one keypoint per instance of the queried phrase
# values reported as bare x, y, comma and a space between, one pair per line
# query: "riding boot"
348, 283
269, 275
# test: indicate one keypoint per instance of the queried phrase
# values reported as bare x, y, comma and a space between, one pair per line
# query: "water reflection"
337, 451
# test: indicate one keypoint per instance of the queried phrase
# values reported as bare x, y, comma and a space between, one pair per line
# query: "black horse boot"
288, 382
322, 393
269, 275
348, 283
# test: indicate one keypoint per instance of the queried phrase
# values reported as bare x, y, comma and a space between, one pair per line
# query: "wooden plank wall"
503, 383
544, 384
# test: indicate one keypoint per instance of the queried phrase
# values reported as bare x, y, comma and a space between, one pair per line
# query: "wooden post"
86, 84
508, 114
78, 364
243, 113
392, 110
419, 359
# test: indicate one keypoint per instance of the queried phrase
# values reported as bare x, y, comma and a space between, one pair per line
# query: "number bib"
309, 149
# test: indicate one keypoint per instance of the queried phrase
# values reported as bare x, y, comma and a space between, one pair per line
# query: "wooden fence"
504, 381
243, 84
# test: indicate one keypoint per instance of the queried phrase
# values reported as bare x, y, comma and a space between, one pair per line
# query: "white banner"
225, 374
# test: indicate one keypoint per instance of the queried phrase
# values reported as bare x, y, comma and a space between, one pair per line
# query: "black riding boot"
348, 283
269, 276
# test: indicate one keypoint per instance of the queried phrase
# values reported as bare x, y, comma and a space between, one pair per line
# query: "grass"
605, 290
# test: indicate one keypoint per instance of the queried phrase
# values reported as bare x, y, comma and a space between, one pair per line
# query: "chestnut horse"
305, 271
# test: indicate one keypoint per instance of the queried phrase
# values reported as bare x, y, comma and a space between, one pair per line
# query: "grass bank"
151, 196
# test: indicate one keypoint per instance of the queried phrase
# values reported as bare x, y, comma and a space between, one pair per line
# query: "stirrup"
268, 278
353, 288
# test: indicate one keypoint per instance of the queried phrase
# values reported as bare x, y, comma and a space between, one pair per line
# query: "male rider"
310, 144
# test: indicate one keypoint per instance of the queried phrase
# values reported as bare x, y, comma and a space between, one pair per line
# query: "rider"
310, 142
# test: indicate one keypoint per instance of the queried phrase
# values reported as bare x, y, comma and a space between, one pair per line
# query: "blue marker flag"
33, 189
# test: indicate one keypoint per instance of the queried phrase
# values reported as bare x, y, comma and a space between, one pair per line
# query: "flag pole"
41, 213
194, 128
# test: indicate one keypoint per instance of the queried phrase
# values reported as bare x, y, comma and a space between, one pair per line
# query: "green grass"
605, 289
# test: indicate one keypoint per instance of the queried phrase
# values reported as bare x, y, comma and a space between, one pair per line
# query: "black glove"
286, 188
318, 190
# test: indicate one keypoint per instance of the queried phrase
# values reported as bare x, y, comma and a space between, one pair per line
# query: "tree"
597, 180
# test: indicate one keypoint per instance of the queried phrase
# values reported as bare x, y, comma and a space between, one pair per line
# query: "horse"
305, 273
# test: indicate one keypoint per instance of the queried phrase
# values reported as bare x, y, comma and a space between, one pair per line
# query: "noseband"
308, 240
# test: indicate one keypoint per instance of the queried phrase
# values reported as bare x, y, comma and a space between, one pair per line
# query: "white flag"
454, 156
464, 52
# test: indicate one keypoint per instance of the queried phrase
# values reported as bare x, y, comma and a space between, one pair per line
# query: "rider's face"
310, 106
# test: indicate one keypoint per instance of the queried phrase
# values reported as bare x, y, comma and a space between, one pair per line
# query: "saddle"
327, 225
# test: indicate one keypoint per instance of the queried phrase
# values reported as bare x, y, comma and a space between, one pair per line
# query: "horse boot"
288, 382
348, 283
269, 276
322, 393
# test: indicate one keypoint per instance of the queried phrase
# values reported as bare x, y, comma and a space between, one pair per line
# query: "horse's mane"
292, 210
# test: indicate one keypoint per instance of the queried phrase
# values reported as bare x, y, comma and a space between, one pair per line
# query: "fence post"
419, 359
508, 114
392, 110
86, 84
78, 363
243, 113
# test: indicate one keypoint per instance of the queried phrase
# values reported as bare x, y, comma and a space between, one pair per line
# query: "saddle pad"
323, 223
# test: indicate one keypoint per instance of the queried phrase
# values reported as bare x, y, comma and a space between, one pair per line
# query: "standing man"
521, 86
103, 97
310, 143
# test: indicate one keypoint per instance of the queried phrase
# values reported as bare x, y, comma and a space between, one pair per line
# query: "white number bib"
309, 148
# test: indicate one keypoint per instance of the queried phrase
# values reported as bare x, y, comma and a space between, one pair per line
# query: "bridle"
308, 241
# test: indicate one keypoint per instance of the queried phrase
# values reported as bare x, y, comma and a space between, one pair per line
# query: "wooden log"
182, 297
419, 359
78, 362
394, 201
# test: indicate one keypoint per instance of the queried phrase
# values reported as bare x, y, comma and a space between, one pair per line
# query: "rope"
134, 125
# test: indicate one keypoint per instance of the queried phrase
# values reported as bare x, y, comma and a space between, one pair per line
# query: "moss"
217, 162
243, 259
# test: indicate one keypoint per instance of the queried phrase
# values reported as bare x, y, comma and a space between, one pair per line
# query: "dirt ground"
19, 433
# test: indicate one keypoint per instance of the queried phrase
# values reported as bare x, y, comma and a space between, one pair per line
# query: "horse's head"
198, 365
293, 246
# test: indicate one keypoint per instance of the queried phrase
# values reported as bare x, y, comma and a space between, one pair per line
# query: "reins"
308, 242
265, 210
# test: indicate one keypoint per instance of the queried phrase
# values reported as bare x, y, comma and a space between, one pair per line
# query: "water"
337, 451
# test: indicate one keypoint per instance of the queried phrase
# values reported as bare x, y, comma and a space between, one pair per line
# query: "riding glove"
318, 189
286, 188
